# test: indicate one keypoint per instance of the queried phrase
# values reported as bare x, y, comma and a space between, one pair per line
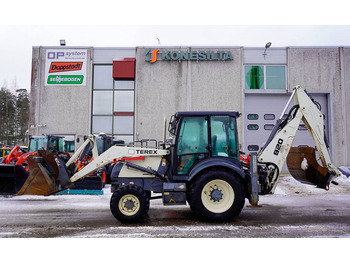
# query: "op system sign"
65, 67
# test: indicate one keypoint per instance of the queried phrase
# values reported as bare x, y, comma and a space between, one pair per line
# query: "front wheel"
217, 195
129, 204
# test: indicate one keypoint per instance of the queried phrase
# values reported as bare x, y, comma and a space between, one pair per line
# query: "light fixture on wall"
266, 47
158, 40
62, 42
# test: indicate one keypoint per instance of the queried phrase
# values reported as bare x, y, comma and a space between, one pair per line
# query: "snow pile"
288, 185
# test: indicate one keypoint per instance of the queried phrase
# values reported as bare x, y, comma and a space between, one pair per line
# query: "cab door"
193, 144
223, 133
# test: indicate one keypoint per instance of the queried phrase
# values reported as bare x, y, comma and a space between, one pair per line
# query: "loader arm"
278, 146
116, 153
89, 143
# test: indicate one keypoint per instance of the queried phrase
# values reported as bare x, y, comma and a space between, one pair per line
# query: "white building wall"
58, 109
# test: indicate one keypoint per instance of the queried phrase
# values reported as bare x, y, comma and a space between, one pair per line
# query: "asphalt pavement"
294, 211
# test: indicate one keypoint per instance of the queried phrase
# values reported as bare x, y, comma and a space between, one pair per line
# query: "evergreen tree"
22, 113
7, 116
14, 116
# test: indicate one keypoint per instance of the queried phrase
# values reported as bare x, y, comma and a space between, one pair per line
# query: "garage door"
261, 113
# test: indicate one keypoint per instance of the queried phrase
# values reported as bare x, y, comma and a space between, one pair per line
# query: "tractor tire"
129, 204
217, 195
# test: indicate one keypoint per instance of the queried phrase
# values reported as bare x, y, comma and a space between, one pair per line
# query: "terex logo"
56, 67
148, 152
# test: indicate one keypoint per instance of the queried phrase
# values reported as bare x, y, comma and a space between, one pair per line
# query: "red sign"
124, 69
56, 67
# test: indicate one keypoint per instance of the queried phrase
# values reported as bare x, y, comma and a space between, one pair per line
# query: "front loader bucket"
7, 179
303, 166
12, 178
42, 175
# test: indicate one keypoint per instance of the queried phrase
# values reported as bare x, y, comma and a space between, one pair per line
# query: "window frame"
114, 90
264, 89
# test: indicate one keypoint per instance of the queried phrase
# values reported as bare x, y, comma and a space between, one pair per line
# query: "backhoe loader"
200, 165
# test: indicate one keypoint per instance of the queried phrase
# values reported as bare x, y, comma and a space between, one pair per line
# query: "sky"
24, 24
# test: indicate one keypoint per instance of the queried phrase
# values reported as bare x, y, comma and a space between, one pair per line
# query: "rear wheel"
217, 195
129, 204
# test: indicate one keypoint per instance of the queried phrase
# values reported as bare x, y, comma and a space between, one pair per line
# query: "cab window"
192, 142
223, 136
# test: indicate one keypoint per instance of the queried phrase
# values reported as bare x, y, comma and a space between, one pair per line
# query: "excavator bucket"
43, 173
303, 166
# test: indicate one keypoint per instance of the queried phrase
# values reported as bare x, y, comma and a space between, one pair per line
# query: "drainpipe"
342, 85
189, 85
39, 86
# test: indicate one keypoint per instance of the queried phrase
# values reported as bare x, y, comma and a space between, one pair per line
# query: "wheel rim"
217, 196
129, 205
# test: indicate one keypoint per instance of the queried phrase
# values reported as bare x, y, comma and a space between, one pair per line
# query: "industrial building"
127, 92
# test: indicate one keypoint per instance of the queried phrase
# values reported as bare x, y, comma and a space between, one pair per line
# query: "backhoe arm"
313, 120
275, 152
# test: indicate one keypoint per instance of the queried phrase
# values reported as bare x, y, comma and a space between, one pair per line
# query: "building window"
268, 127
253, 116
253, 148
265, 77
253, 127
269, 117
112, 105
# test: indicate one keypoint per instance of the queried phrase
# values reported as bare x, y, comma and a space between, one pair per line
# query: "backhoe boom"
279, 144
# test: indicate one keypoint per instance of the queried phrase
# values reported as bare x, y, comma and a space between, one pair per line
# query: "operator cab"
200, 136
51, 143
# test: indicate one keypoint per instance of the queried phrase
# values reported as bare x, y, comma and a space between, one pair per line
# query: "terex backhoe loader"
201, 165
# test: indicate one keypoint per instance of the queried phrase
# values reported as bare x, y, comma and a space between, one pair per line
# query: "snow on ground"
288, 185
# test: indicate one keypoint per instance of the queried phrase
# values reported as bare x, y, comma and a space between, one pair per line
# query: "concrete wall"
63, 109
217, 86
319, 69
165, 87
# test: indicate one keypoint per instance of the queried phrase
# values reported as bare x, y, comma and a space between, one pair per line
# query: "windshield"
55, 144
103, 143
37, 143
68, 146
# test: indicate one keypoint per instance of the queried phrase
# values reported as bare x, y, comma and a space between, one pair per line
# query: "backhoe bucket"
42, 177
303, 166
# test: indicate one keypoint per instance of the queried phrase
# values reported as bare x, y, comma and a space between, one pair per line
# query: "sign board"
152, 56
65, 67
